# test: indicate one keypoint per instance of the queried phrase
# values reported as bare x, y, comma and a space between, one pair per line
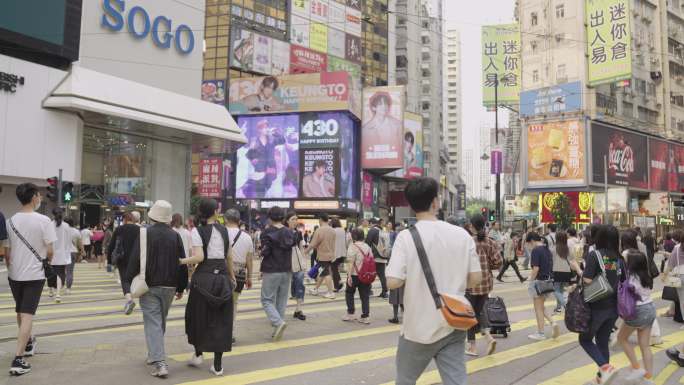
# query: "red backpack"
367, 272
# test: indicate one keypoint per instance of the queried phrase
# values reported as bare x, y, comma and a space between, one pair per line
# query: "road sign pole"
60, 199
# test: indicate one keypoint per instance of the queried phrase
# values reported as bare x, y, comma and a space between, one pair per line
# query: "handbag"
627, 299
577, 311
313, 272
138, 285
240, 270
670, 294
543, 286
673, 279
118, 252
47, 268
457, 312
599, 288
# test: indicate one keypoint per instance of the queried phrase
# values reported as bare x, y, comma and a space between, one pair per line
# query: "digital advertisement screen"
319, 170
627, 160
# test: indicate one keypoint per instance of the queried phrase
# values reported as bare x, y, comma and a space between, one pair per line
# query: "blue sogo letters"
161, 27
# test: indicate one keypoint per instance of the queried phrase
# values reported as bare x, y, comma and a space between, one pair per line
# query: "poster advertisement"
413, 147
501, 63
320, 10
300, 8
609, 42
557, 99
336, 41
306, 61
337, 16
242, 49
214, 91
299, 31
210, 171
280, 58
352, 48
353, 24
337, 64
382, 130
662, 165
579, 201
268, 165
319, 173
627, 162
327, 91
262, 54
318, 37
677, 163
556, 154
349, 170
367, 190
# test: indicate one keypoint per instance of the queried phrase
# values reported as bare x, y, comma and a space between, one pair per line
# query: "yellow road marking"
666, 373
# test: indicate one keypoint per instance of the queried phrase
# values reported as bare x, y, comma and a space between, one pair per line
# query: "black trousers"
505, 266
380, 269
335, 267
478, 301
364, 294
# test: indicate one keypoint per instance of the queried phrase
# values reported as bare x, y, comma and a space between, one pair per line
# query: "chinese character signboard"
501, 63
460, 197
608, 41
555, 154
210, 178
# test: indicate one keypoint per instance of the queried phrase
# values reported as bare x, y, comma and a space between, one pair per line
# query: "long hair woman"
563, 268
209, 312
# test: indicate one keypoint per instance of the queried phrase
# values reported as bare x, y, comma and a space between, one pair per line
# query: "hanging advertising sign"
300, 8
580, 202
242, 49
318, 37
337, 64
336, 41
280, 58
382, 128
557, 99
337, 16
556, 154
353, 24
352, 49
210, 171
609, 41
299, 31
327, 91
662, 166
627, 162
319, 172
262, 54
501, 63
461, 203
367, 190
214, 91
320, 10
676, 162
305, 61
496, 161
656, 204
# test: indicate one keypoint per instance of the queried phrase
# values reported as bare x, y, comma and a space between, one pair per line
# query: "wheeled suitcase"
497, 316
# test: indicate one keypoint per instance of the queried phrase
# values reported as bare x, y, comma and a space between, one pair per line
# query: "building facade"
451, 116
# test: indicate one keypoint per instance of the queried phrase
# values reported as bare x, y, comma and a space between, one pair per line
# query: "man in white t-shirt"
76, 250
31, 238
455, 264
86, 235
242, 252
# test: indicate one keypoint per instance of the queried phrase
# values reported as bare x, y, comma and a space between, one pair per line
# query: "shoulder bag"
673, 279
239, 270
47, 268
577, 311
139, 285
458, 312
599, 288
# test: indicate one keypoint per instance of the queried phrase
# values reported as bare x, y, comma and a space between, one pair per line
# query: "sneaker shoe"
673, 354
217, 373
161, 369
556, 331
471, 352
364, 320
19, 367
656, 340
58, 299
607, 373
300, 316
30, 349
537, 336
278, 335
393, 320
349, 317
329, 296
491, 347
635, 374
68, 291
557, 310
383, 295
149, 362
195, 361
313, 291
51, 292
128, 307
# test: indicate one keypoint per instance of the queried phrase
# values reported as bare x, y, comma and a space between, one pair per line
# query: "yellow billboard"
501, 64
318, 37
556, 154
609, 44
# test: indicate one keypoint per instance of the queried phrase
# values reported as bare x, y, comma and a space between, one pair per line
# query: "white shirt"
75, 236
340, 242
242, 247
86, 234
187, 240
62, 246
215, 246
452, 255
39, 231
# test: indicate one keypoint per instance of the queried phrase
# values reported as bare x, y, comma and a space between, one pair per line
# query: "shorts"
532, 291
297, 288
645, 315
26, 295
60, 271
325, 266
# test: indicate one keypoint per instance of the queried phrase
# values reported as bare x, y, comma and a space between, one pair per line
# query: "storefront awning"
85, 90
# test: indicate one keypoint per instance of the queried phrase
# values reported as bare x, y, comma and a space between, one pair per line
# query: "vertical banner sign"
460, 197
210, 178
608, 41
501, 63
496, 161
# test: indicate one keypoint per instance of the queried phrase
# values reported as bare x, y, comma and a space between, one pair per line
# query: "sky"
468, 17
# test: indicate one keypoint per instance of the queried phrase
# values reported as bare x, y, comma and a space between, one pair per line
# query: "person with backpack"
490, 259
452, 264
378, 240
637, 275
510, 258
361, 274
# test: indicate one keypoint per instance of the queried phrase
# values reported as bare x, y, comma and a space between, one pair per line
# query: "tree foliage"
563, 213
475, 205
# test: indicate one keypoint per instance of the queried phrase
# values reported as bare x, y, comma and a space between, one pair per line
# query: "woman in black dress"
209, 312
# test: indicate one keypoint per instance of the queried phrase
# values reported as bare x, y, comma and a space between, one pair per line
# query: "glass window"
560, 11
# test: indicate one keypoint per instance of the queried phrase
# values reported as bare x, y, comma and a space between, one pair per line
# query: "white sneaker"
278, 334
556, 331
349, 318
58, 299
216, 373
537, 336
313, 291
329, 295
68, 291
607, 375
635, 374
51, 292
196, 361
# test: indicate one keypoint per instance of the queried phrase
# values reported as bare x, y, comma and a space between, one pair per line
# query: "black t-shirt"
3, 228
593, 269
542, 258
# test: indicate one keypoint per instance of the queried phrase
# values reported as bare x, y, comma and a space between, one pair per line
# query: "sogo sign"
161, 28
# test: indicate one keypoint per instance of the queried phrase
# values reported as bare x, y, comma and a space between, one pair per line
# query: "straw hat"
161, 212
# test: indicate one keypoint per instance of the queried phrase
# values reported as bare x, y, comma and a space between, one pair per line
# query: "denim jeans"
297, 289
70, 271
155, 305
559, 292
598, 351
449, 355
274, 293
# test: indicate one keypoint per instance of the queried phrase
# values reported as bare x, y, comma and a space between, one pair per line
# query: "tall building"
407, 51
469, 167
486, 183
374, 43
451, 84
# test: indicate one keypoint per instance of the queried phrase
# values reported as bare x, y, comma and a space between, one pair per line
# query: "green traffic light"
67, 197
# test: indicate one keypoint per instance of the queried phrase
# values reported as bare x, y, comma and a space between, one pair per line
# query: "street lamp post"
496, 141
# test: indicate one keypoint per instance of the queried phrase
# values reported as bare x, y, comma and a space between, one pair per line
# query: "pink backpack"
367, 272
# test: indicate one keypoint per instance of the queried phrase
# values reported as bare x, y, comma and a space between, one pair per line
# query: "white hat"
161, 212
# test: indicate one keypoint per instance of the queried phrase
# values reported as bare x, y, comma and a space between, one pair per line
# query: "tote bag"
138, 285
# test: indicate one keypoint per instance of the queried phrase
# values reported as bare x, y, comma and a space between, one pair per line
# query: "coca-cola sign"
625, 153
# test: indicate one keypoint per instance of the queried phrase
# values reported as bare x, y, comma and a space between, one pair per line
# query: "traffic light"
484, 211
52, 188
492, 215
67, 192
